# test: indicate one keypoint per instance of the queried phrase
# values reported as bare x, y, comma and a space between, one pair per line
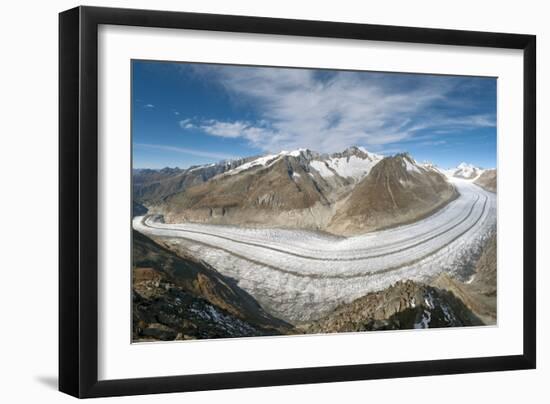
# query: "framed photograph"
251, 201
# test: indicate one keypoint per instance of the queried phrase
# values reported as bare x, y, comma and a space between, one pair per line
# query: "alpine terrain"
306, 242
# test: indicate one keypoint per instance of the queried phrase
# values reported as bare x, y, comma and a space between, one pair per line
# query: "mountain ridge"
306, 189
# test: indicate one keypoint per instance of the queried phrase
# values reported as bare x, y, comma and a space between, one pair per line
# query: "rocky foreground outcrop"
404, 305
444, 302
176, 297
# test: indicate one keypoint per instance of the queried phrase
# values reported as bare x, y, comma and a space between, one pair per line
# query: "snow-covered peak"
260, 161
465, 171
466, 167
410, 164
353, 163
295, 153
358, 151
428, 165
269, 159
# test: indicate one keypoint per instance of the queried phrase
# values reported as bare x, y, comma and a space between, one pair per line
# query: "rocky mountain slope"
404, 305
150, 186
479, 293
488, 180
138, 209
176, 297
397, 191
297, 189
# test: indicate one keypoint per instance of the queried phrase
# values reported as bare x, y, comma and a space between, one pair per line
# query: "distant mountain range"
345, 193
150, 185
465, 170
485, 178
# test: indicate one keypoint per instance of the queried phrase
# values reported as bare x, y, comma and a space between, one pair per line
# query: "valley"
300, 275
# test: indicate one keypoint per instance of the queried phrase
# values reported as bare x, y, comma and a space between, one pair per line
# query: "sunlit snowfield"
300, 275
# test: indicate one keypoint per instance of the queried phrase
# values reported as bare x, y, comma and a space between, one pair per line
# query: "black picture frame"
78, 201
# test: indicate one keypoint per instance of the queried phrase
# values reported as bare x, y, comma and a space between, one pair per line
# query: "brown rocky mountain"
344, 193
295, 189
404, 305
176, 297
150, 186
488, 180
396, 191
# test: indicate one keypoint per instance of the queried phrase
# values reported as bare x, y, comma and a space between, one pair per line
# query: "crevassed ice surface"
300, 275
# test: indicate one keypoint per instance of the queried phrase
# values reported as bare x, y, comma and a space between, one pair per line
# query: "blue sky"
187, 114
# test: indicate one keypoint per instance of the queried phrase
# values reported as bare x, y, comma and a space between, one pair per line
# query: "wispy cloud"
255, 132
185, 150
332, 110
148, 106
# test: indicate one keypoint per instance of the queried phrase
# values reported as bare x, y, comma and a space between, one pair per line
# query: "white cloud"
331, 111
255, 133
186, 124
149, 106
184, 150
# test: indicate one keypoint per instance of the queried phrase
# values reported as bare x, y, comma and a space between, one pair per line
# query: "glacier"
300, 275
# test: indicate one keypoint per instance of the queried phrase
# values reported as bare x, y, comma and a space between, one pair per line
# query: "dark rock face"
175, 295
404, 305
138, 209
166, 312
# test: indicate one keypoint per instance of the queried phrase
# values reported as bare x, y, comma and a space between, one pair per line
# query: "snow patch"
352, 167
429, 301
424, 321
322, 168
203, 166
293, 153
409, 166
265, 161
